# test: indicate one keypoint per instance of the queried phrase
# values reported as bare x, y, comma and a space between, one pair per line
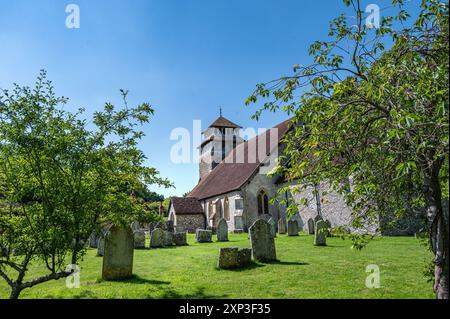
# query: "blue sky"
186, 58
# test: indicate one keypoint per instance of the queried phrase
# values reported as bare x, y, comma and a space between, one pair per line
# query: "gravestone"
157, 238
292, 228
203, 236
281, 226
100, 246
168, 238
328, 223
118, 254
273, 226
180, 239
139, 239
170, 226
234, 258
320, 236
93, 239
135, 226
222, 230
262, 241
311, 226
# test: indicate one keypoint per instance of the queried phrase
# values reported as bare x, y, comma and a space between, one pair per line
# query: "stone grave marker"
118, 254
234, 258
203, 236
292, 228
157, 238
222, 230
273, 226
262, 241
320, 236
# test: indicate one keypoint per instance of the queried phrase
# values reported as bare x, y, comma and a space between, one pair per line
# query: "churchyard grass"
303, 271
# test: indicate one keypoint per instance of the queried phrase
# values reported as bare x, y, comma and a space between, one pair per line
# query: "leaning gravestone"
234, 258
262, 241
311, 226
118, 255
203, 236
273, 226
157, 238
180, 239
222, 230
292, 228
282, 226
320, 237
168, 238
139, 239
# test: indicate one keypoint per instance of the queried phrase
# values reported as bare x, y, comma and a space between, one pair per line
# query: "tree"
376, 116
61, 176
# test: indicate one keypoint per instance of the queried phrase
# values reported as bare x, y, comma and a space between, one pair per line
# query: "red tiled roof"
223, 122
186, 205
237, 168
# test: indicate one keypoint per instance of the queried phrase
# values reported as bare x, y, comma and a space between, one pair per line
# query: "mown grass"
303, 271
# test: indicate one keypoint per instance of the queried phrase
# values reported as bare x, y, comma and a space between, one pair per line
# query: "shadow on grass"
286, 263
198, 294
252, 265
135, 279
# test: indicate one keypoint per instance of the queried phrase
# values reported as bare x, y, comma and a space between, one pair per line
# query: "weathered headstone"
139, 239
222, 230
320, 236
311, 226
100, 246
273, 226
135, 226
157, 238
281, 226
118, 255
170, 226
262, 241
180, 239
328, 223
93, 239
203, 236
168, 238
292, 228
234, 258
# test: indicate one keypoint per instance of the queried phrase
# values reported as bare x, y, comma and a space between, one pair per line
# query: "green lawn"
303, 271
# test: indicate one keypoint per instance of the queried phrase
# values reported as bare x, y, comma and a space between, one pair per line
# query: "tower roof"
223, 122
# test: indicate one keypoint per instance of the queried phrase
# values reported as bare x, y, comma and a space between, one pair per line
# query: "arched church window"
266, 204
263, 203
226, 209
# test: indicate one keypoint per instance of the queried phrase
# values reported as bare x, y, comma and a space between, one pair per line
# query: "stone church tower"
218, 140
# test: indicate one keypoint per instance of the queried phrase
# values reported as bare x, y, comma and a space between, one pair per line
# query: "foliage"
373, 122
60, 179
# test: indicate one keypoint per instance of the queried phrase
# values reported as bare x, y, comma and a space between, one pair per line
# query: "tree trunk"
438, 230
15, 292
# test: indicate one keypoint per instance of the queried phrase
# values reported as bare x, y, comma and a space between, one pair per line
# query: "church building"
234, 184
